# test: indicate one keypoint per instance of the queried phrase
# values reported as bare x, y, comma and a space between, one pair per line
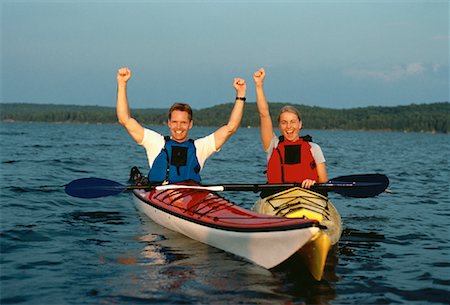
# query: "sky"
334, 54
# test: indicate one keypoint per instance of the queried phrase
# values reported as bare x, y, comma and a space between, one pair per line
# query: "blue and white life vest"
176, 162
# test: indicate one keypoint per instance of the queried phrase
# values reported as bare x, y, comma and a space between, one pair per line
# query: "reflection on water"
170, 261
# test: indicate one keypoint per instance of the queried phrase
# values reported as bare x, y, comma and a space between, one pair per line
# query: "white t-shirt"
153, 143
316, 151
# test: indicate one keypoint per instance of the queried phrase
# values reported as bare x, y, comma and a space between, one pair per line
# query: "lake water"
56, 249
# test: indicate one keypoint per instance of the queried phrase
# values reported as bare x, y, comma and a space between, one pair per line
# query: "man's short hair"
181, 107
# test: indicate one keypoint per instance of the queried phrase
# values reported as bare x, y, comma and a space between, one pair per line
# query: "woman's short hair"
290, 109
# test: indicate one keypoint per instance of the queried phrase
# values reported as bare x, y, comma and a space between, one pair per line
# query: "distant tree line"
411, 118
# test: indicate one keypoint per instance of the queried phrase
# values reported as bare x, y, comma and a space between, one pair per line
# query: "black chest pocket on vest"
179, 156
292, 154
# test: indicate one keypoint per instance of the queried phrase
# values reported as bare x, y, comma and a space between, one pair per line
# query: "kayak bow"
305, 204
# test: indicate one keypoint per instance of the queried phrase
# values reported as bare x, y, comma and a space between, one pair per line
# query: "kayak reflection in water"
177, 158
290, 157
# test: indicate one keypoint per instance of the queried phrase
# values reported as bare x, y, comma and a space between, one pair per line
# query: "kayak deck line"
305, 201
293, 205
205, 202
308, 201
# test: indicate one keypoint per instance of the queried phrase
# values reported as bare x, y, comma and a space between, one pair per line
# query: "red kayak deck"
212, 210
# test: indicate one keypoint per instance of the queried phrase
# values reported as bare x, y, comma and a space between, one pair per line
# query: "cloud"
414, 69
436, 67
391, 74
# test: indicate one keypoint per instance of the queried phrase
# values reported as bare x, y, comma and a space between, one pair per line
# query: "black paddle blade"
93, 188
368, 185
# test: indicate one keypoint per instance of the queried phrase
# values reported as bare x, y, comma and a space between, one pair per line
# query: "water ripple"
56, 249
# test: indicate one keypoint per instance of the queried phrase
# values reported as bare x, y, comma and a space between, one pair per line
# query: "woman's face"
290, 126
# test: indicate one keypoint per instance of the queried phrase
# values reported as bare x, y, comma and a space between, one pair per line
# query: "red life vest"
291, 162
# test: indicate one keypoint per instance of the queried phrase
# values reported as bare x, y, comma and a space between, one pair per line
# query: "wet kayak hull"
211, 219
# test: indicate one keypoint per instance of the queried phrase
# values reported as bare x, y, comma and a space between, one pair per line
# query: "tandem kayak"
298, 203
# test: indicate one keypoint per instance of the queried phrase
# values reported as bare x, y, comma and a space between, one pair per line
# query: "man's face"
290, 126
179, 125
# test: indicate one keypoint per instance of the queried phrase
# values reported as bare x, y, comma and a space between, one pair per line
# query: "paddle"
359, 186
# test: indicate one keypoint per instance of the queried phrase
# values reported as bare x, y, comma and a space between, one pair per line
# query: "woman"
291, 158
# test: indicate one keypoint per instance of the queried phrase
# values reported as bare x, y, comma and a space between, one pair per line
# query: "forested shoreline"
432, 117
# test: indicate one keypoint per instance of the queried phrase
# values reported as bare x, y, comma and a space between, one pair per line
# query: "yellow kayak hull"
301, 203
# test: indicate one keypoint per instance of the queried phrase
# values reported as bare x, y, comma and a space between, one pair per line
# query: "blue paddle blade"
360, 186
94, 188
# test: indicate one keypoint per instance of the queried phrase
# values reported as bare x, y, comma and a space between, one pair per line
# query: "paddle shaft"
359, 186
240, 187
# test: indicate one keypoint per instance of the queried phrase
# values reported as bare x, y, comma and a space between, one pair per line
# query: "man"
177, 158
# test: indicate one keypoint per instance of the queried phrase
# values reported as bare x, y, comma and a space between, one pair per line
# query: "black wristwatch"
240, 98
